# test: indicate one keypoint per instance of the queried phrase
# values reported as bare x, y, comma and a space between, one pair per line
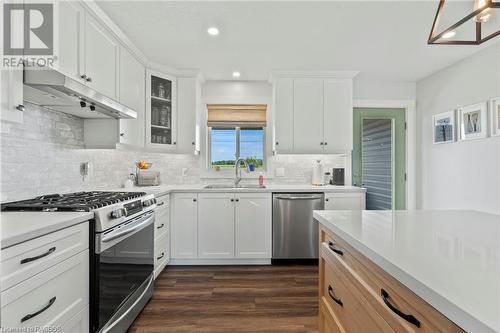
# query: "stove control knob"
117, 213
147, 203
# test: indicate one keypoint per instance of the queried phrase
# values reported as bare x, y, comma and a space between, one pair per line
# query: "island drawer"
24, 260
352, 311
327, 320
381, 290
50, 298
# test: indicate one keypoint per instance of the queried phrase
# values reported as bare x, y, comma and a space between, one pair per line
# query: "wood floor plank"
232, 299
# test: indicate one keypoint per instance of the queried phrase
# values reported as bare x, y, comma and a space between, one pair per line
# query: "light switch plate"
279, 172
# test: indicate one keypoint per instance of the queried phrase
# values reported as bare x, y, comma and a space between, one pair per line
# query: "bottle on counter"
261, 180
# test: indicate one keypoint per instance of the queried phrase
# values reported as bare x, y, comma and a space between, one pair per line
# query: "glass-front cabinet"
160, 110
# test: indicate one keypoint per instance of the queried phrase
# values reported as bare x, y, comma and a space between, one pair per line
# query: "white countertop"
18, 227
166, 189
451, 259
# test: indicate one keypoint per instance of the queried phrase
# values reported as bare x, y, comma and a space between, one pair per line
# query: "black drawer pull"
408, 317
160, 204
335, 299
160, 226
161, 256
26, 260
34, 314
330, 245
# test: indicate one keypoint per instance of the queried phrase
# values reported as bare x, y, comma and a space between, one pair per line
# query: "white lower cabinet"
253, 225
216, 225
162, 253
162, 234
345, 201
221, 226
50, 298
184, 226
79, 323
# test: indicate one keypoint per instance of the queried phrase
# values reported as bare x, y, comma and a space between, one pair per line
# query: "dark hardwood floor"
232, 299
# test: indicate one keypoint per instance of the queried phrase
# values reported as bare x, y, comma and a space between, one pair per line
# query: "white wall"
369, 88
464, 174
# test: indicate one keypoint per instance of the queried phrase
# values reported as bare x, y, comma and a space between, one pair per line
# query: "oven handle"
130, 230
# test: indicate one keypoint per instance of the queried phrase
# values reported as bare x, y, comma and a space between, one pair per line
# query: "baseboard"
195, 262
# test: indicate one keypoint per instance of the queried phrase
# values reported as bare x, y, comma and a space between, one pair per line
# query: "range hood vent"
53, 90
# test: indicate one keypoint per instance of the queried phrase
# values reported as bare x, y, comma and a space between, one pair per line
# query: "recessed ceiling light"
236, 74
449, 34
213, 31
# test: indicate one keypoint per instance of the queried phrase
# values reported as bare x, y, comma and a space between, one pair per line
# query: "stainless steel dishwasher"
295, 234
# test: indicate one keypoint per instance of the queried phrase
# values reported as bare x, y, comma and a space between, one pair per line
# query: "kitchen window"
236, 131
227, 144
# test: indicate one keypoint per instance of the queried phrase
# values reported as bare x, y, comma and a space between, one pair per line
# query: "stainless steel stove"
123, 250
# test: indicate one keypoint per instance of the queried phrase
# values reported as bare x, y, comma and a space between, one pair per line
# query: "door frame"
409, 106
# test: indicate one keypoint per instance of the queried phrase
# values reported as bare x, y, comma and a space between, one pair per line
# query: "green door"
379, 156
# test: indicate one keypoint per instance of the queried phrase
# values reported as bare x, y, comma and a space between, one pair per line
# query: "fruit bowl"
143, 165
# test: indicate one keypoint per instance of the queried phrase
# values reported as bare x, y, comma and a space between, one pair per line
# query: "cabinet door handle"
277, 143
408, 317
321, 143
122, 134
193, 143
175, 142
330, 245
26, 260
34, 314
332, 296
237, 200
160, 204
326, 143
83, 76
21, 108
88, 79
232, 200
194, 200
327, 199
160, 226
161, 256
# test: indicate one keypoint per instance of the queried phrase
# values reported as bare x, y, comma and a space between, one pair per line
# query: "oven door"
124, 260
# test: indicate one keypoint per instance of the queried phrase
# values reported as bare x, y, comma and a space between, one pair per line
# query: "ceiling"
384, 40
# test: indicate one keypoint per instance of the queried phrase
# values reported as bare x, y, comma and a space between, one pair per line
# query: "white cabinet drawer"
78, 323
22, 261
162, 218
61, 292
162, 253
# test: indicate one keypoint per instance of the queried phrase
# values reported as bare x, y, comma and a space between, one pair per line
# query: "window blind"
236, 115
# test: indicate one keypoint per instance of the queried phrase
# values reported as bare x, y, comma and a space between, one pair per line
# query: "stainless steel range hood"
53, 90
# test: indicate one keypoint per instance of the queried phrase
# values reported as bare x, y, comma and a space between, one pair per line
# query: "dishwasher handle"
300, 197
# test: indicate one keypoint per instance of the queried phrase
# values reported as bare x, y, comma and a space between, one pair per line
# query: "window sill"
229, 174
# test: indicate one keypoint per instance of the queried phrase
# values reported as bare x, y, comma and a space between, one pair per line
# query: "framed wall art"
473, 121
443, 127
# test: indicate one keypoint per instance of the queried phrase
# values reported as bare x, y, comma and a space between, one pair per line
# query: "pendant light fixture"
481, 12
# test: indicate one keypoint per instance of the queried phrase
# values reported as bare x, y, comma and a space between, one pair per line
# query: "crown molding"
324, 74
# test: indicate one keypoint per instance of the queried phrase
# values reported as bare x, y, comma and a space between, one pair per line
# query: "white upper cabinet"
12, 96
71, 43
215, 225
308, 115
253, 225
188, 108
132, 93
161, 112
283, 115
337, 127
312, 112
101, 58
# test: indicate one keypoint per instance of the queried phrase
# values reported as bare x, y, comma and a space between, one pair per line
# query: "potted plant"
252, 163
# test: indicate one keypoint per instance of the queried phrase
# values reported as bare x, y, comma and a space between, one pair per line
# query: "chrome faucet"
237, 177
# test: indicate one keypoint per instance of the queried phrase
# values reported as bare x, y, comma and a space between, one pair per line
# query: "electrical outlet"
279, 172
184, 172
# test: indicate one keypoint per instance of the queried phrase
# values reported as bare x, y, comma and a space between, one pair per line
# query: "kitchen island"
440, 269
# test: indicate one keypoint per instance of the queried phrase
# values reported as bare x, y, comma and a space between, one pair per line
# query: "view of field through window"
224, 146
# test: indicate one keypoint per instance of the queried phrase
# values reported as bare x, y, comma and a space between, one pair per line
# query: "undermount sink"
222, 186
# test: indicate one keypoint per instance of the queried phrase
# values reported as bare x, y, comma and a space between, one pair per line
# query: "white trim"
312, 74
410, 107
233, 261
493, 114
